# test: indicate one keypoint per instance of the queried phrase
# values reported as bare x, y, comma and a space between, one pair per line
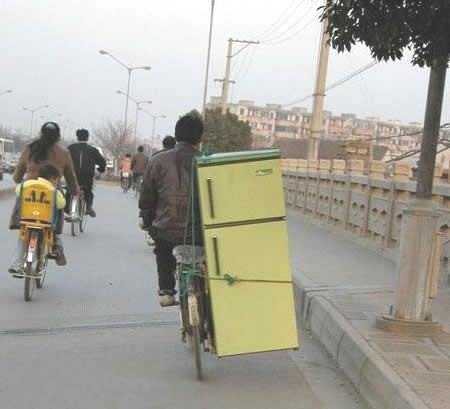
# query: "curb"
378, 384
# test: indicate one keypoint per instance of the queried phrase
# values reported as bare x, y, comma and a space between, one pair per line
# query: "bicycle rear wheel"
82, 216
31, 266
124, 183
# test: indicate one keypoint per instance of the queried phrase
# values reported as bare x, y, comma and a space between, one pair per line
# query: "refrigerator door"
253, 317
258, 251
241, 191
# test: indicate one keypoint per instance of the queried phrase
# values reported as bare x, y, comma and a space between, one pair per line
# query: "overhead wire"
237, 71
287, 34
384, 138
337, 83
293, 35
284, 16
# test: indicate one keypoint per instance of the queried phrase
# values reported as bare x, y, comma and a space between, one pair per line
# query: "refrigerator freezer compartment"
239, 192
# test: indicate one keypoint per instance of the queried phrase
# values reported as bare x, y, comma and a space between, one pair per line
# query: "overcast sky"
50, 56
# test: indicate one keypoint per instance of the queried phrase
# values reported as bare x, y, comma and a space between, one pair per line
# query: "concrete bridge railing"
367, 202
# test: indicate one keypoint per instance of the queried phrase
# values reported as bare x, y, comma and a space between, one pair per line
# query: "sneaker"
16, 272
167, 300
60, 258
91, 212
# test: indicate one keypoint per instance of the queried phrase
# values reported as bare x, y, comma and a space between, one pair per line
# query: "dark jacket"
139, 163
58, 156
85, 158
164, 200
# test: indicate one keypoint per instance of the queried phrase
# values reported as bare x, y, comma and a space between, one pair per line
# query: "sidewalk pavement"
339, 305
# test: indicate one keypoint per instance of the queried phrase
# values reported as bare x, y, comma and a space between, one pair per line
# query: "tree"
226, 133
389, 28
114, 139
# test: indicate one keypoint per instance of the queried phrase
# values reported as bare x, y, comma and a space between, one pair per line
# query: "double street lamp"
138, 108
8, 91
129, 69
32, 111
155, 118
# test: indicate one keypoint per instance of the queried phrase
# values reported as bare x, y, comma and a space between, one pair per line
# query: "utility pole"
208, 57
227, 80
319, 95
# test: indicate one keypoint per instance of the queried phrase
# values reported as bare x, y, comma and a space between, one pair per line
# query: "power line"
293, 35
416, 151
352, 75
384, 138
337, 83
249, 63
281, 19
280, 37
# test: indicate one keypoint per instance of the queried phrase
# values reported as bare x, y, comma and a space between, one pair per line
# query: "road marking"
90, 327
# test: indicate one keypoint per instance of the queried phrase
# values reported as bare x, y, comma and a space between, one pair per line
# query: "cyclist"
38, 154
138, 165
165, 197
48, 178
86, 158
125, 169
168, 143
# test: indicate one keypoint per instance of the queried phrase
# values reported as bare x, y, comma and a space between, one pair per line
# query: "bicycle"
78, 217
137, 186
37, 221
125, 182
194, 307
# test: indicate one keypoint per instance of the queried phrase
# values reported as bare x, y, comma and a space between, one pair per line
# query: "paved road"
95, 337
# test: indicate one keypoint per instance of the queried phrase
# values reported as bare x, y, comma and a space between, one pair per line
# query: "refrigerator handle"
211, 199
216, 255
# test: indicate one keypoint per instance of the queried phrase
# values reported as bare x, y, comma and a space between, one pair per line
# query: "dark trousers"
87, 186
166, 264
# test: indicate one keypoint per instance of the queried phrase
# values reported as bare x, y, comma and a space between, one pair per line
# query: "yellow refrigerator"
249, 277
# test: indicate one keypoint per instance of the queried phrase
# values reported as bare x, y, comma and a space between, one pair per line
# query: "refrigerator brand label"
264, 172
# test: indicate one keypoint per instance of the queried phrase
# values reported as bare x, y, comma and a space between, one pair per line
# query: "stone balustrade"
368, 202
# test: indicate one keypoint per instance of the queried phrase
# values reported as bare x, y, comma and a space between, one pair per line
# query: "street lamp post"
155, 118
138, 108
129, 69
32, 111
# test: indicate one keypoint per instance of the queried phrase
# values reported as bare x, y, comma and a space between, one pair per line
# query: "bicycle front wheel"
197, 350
42, 271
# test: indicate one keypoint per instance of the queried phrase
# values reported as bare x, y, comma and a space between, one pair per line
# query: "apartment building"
272, 122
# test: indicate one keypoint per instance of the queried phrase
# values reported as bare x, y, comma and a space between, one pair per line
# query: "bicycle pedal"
175, 304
